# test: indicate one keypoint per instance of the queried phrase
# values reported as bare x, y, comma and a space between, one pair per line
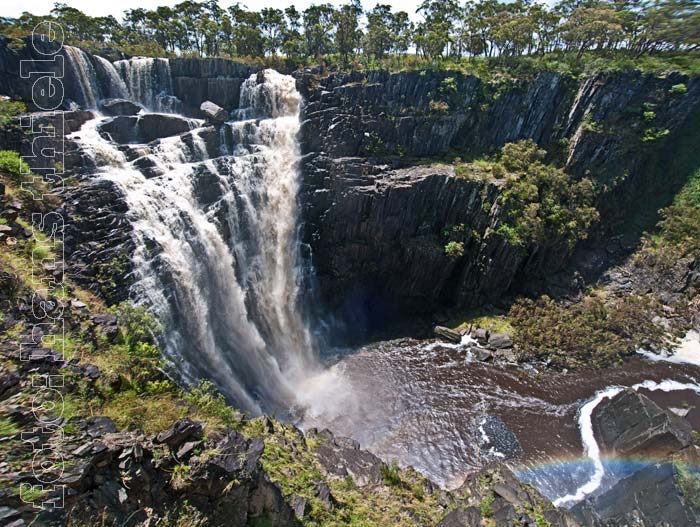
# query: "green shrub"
520, 156
454, 250
12, 165
487, 506
210, 402
439, 107
679, 89
391, 475
9, 111
654, 134
590, 332
542, 204
138, 326
8, 428
689, 481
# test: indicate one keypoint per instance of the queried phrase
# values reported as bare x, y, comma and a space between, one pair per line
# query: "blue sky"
14, 8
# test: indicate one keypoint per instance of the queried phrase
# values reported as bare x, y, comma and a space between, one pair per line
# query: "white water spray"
687, 352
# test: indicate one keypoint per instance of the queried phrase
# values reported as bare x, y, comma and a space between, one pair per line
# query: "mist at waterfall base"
219, 261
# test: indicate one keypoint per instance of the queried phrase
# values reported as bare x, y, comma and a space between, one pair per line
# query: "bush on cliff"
9, 110
542, 204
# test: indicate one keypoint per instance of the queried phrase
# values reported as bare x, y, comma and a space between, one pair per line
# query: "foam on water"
687, 352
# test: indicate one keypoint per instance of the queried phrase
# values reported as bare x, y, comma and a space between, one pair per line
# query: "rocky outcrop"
342, 457
495, 495
379, 236
631, 424
461, 517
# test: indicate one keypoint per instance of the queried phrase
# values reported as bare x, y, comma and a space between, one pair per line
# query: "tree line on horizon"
445, 28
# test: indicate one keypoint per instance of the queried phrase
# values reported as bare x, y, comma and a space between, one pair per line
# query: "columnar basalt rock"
380, 121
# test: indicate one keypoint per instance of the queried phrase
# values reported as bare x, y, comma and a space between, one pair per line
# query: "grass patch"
149, 413
8, 428
496, 323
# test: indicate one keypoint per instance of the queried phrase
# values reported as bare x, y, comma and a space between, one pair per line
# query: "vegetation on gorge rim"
467, 36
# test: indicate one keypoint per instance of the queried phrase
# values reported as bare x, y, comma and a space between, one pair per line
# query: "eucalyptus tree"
347, 28
273, 27
319, 30
380, 33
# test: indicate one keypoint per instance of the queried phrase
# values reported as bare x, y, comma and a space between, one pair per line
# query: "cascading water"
116, 86
95, 80
85, 75
217, 250
149, 82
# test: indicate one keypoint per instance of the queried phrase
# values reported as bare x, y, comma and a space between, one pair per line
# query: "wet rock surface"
631, 424
653, 496
119, 107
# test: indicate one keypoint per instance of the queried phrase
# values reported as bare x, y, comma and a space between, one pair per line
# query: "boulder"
481, 335
447, 334
500, 341
343, 457
98, 426
482, 354
323, 492
298, 505
214, 113
124, 129
148, 167
180, 432
105, 327
120, 129
632, 424
116, 107
156, 126
461, 517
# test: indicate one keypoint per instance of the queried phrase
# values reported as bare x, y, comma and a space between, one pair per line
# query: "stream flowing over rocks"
271, 222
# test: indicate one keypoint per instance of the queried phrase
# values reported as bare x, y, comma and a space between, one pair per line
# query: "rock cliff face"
378, 231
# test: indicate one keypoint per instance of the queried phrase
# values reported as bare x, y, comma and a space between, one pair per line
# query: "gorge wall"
376, 226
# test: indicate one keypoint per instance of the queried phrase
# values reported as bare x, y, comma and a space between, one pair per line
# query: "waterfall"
85, 74
149, 82
217, 247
